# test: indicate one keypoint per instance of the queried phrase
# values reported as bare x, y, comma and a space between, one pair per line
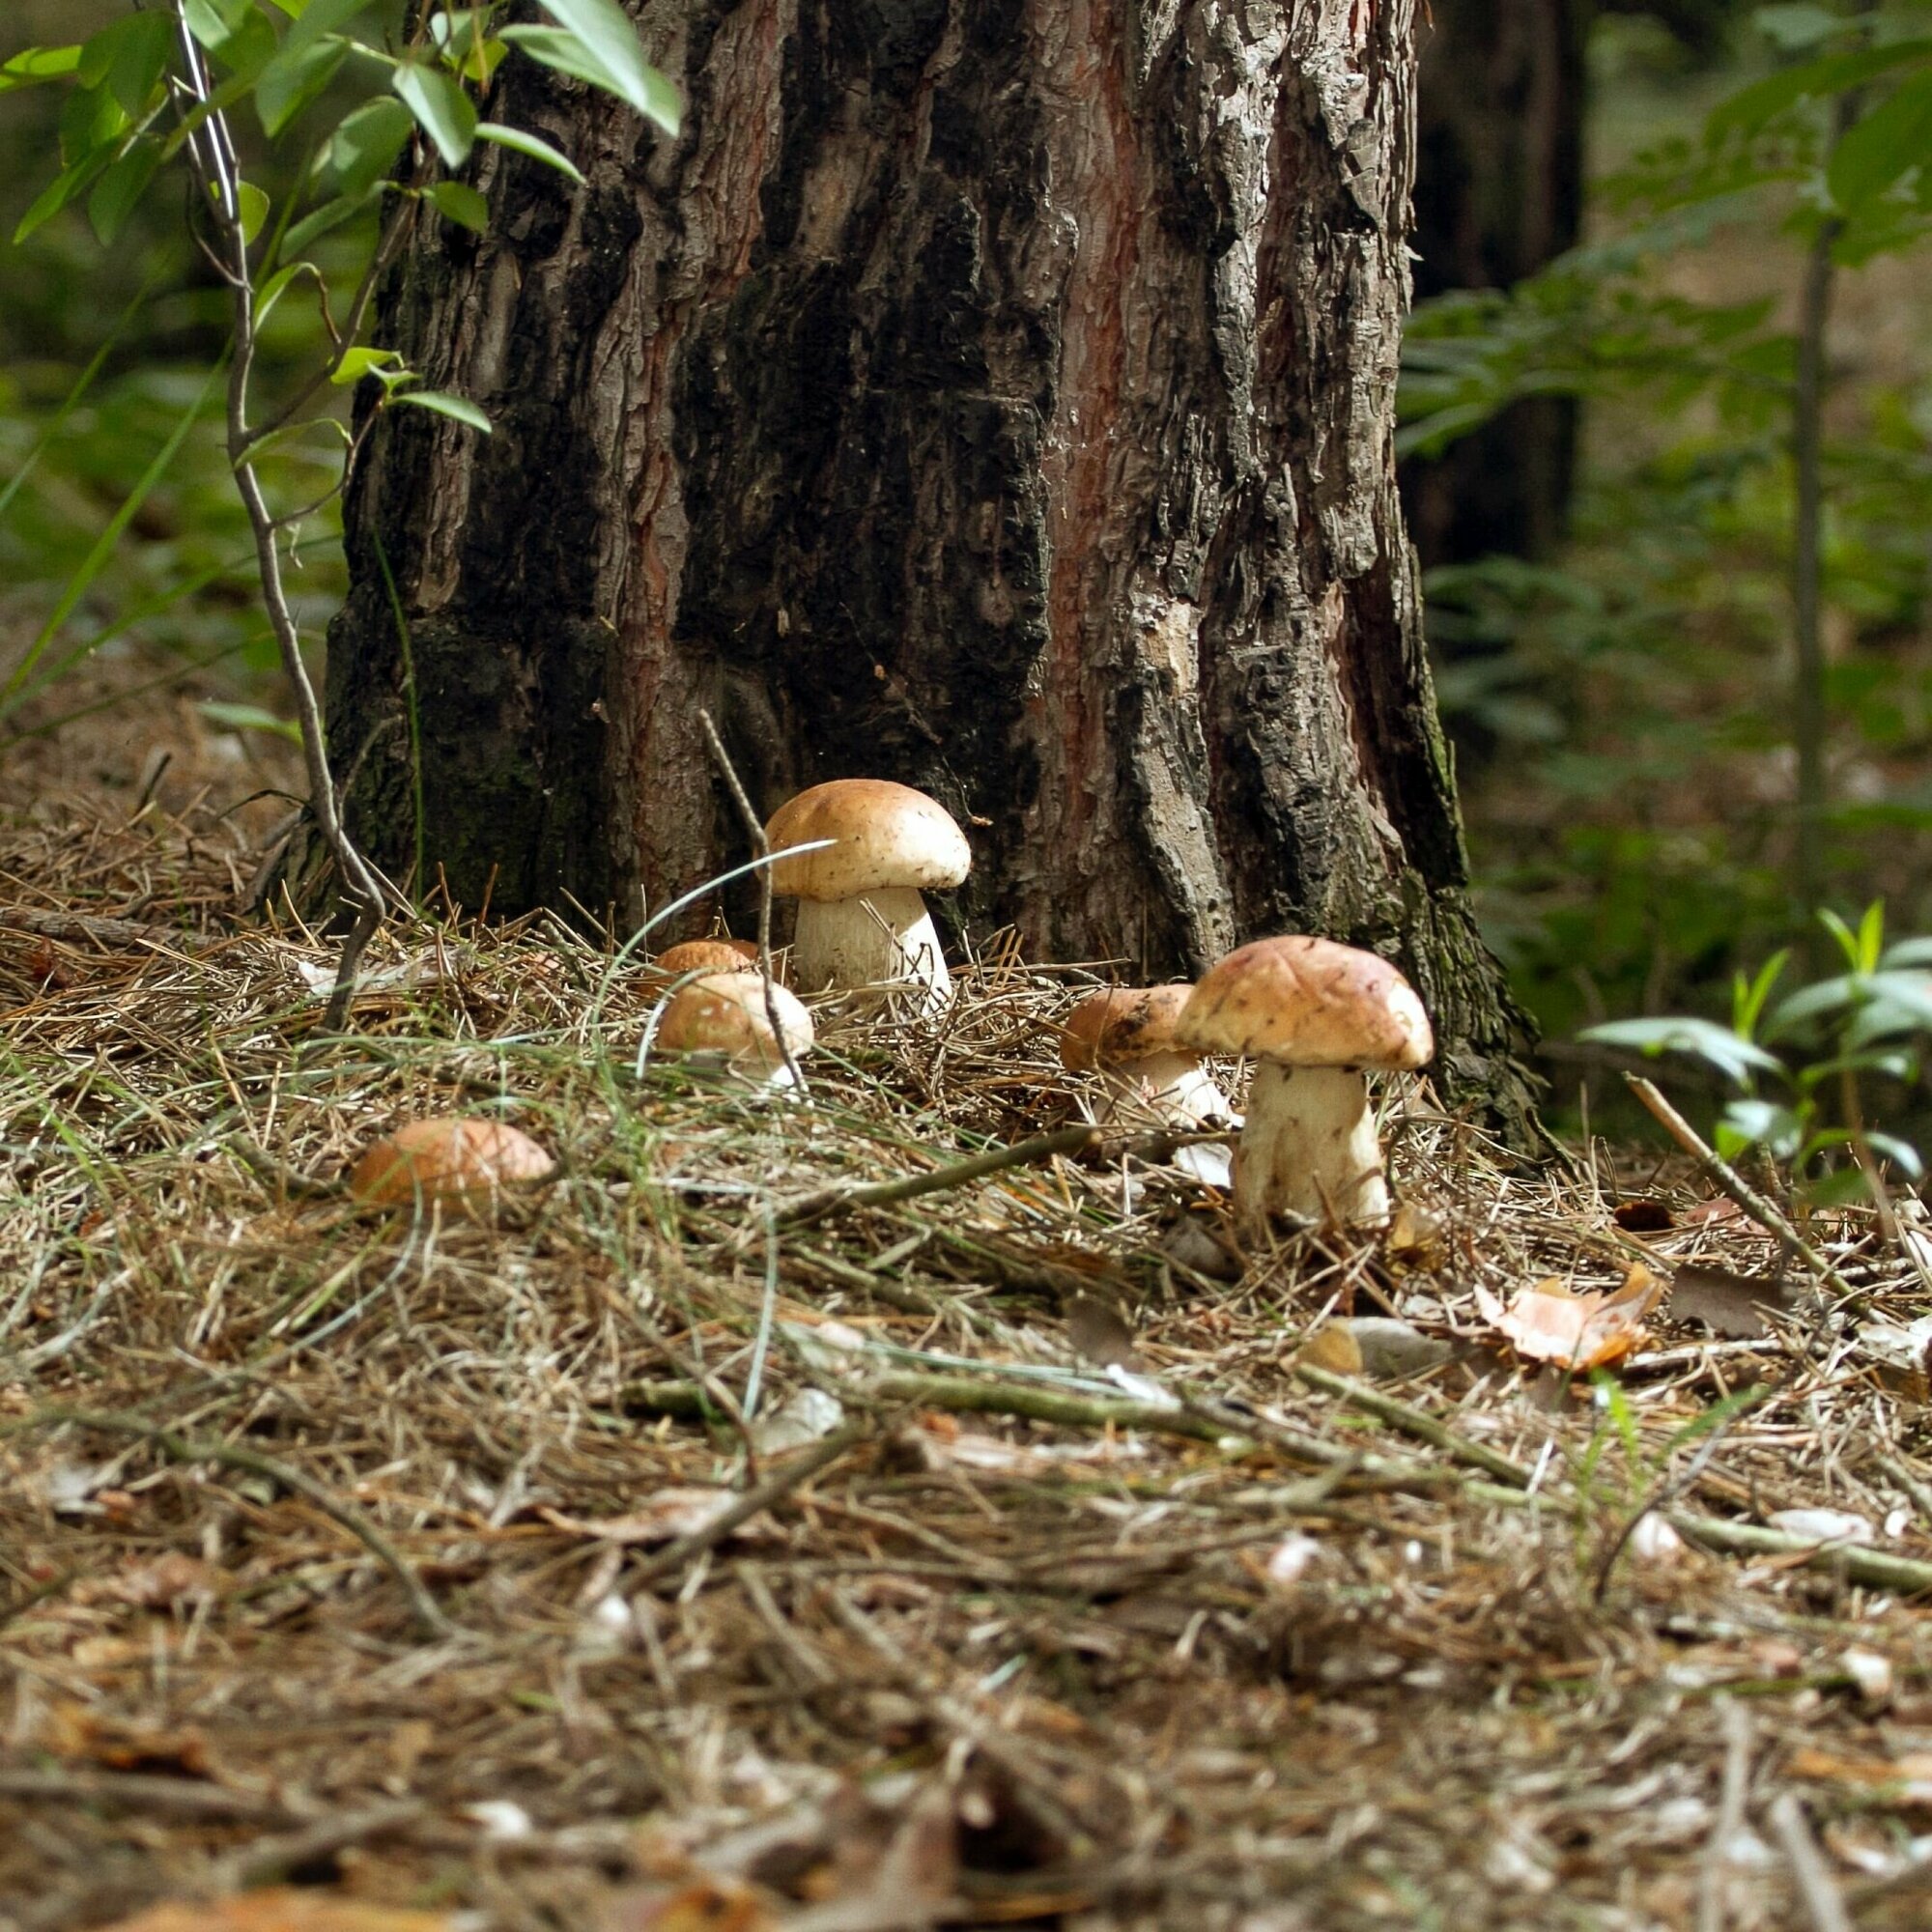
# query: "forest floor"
1076, 1567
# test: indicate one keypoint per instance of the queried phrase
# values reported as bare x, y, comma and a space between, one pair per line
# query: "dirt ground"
1075, 1565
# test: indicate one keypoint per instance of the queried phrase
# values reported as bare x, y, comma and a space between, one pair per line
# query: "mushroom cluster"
1317, 1018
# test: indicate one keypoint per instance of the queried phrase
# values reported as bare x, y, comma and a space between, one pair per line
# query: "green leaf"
445, 404
253, 206
215, 22
250, 717
1747, 1124
1747, 1002
364, 147
232, 32
608, 39
1908, 952
619, 69
1751, 109
288, 85
62, 189
363, 360
329, 217
518, 142
461, 203
141, 56
447, 115
33, 66
1883, 146
1798, 25
127, 58
1702, 1039
91, 122
277, 286
119, 190
1902, 1154
309, 56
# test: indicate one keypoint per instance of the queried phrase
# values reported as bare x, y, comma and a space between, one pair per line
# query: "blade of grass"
105, 545
44, 441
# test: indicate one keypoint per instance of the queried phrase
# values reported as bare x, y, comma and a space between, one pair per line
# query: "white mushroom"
1127, 1034
1314, 1014
726, 1014
861, 919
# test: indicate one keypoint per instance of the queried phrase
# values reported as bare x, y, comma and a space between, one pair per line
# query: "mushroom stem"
884, 938
1174, 1090
1309, 1148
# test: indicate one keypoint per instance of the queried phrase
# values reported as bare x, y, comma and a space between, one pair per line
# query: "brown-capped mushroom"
862, 921
728, 1014
1314, 1014
449, 1159
706, 955
1127, 1034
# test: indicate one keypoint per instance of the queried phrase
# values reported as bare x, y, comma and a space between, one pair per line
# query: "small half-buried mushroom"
1127, 1034
706, 955
862, 921
728, 1015
450, 1160
1315, 1015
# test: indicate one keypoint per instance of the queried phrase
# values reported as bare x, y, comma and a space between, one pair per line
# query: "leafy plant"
151, 93
1793, 1057
1712, 707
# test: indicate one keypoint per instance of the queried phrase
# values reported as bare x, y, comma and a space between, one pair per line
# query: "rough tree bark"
992, 394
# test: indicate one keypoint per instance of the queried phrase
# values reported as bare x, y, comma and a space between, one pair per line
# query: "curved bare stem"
212, 157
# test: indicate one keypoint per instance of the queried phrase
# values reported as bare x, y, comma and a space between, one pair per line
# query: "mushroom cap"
885, 833
1122, 1023
1309, 1002
725, 1013
706, 955
447, 1158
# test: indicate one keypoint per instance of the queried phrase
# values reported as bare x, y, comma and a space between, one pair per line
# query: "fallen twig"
774, 1489
140, 1791
761, 848
883, 1193
1726, 1177
1824, 1904
1415, 1422
1858, 1562
271, 1860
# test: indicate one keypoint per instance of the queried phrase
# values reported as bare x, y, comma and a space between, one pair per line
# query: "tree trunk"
1499, 194
995, 396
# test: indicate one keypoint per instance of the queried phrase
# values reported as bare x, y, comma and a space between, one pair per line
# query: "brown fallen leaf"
285, 1908
1731, 1305
1551, 1323
1416, 1243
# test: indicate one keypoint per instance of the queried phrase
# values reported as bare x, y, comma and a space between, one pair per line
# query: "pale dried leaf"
1549, 1324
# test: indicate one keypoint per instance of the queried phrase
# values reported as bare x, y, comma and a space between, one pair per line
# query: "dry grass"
320, 1528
